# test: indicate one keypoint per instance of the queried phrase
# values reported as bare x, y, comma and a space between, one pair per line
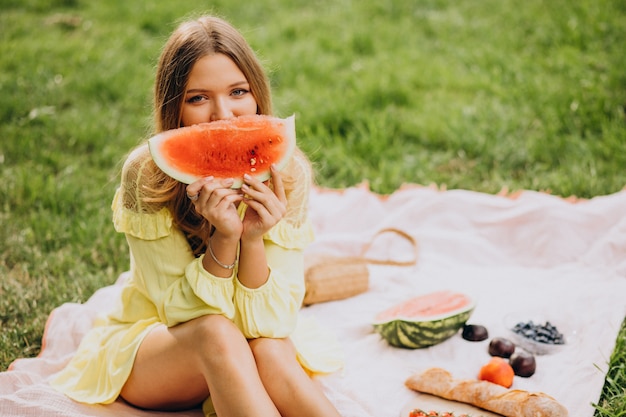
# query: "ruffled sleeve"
150, 226
272, 309
199, 294
175, 281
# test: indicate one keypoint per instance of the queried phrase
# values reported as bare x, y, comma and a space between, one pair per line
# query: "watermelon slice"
225, 148
425, 320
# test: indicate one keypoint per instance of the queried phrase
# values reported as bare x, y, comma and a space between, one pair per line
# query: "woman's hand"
217, 202
265, 207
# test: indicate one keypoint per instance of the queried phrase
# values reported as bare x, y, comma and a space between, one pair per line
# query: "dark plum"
523, 363
475, 332
499, 346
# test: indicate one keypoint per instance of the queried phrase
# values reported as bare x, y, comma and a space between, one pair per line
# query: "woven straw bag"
329, 277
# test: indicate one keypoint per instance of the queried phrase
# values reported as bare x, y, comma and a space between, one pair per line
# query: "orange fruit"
498, 371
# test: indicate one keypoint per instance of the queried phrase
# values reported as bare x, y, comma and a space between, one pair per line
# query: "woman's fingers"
193, 189
256, 188
205, 189
268, 205
216, 201
213, 192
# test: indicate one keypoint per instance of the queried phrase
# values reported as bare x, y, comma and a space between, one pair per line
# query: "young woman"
209, 314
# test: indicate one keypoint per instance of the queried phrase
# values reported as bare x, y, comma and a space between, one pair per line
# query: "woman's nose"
220, 110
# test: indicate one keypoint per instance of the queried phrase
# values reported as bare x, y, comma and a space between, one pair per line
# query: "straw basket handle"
391, 262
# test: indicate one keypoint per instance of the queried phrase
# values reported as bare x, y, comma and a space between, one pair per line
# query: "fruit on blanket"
498, 371
425, 320
475, 332
499, 346
523, 363
225, 148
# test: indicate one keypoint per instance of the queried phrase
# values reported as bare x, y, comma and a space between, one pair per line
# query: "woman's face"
217, 89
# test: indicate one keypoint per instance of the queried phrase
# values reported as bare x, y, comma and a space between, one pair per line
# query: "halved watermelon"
425, 320
225, 148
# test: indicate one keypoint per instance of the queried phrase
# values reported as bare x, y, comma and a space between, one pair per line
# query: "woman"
210, 313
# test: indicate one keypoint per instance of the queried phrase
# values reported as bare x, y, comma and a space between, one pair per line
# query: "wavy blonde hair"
189, 42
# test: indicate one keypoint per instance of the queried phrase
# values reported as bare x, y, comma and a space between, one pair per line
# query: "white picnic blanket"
530, 252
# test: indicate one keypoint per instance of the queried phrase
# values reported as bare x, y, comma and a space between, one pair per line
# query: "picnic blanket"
528, 252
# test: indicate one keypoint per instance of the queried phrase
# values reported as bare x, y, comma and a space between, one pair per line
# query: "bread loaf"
486, 395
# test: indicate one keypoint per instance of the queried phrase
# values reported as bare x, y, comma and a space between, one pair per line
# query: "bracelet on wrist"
231, 266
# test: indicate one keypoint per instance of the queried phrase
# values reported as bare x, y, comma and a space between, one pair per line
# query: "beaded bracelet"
231, 266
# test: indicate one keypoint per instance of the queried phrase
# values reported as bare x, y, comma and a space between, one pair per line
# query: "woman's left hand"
266, 207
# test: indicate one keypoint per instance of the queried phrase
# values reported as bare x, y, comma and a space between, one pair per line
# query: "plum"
475, 332
499, 346
523, 363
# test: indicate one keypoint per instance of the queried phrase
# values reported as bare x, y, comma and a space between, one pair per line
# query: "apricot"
498, 371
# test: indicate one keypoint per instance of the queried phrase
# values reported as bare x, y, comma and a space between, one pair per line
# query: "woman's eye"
239, 92
195, 99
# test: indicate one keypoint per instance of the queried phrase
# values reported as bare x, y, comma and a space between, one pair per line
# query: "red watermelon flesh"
429, 306
225, 148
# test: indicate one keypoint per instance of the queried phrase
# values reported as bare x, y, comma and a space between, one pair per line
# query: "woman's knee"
215, 334
272, 351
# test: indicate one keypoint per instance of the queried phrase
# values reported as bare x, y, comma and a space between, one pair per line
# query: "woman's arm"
266, 207
271, 309
171, 280
176, 282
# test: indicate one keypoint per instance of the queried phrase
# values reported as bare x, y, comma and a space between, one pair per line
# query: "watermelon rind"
289, 134
423, 332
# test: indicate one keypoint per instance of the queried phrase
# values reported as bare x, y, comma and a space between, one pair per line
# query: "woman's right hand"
217, 203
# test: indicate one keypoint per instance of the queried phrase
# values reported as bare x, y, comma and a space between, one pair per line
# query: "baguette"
486, 395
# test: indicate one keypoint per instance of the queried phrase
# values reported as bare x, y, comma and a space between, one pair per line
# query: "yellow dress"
168, 285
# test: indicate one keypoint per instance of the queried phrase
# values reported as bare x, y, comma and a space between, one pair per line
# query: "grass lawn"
475, 95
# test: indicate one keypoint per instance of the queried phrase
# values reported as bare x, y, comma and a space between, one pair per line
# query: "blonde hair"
189, 42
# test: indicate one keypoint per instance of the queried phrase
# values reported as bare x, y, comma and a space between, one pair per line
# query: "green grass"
475, 95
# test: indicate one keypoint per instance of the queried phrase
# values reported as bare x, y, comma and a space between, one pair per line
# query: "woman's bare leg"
289, 386
177, 367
